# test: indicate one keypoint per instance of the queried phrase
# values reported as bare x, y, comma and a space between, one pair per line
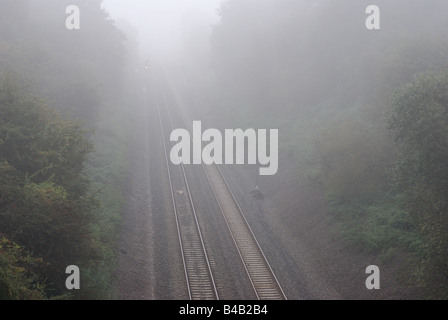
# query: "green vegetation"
18, 278
63, 149
45, 204
378, 157
107, 167
363, 118
419, 121
376, 228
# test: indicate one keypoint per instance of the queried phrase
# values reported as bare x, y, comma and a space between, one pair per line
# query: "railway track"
197, 269
197, 266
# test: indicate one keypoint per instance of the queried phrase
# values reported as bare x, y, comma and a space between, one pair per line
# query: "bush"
18, 279
44, 201
376, 228
419, 123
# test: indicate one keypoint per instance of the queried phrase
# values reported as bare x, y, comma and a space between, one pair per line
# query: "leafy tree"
354, 161
76, 71
44, 192
44, 202
419, 122
301, 62
18, 278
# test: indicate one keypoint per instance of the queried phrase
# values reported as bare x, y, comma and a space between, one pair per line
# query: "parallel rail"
198, 273
264, 282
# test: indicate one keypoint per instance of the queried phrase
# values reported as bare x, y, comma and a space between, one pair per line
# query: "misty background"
164, 27
362, 114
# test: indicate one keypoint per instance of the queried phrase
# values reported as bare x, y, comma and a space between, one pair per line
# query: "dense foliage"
44, 202
314, 70
419, 121
18, 273
52, 166
363, 114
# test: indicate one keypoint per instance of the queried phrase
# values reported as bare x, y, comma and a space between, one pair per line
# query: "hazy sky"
161, 24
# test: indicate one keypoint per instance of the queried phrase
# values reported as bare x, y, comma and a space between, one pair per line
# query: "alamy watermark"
73, 21
234, 147
73, 281
373, 20
373, 280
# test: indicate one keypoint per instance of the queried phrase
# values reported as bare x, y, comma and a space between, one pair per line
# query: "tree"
419, 123
44, 201
18, 279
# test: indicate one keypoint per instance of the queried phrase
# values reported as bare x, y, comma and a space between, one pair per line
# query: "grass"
107, 167
376, 227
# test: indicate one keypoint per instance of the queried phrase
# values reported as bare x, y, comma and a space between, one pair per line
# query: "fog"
163, 25
343, 105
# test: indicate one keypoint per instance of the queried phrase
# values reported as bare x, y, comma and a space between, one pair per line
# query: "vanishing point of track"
198, 271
